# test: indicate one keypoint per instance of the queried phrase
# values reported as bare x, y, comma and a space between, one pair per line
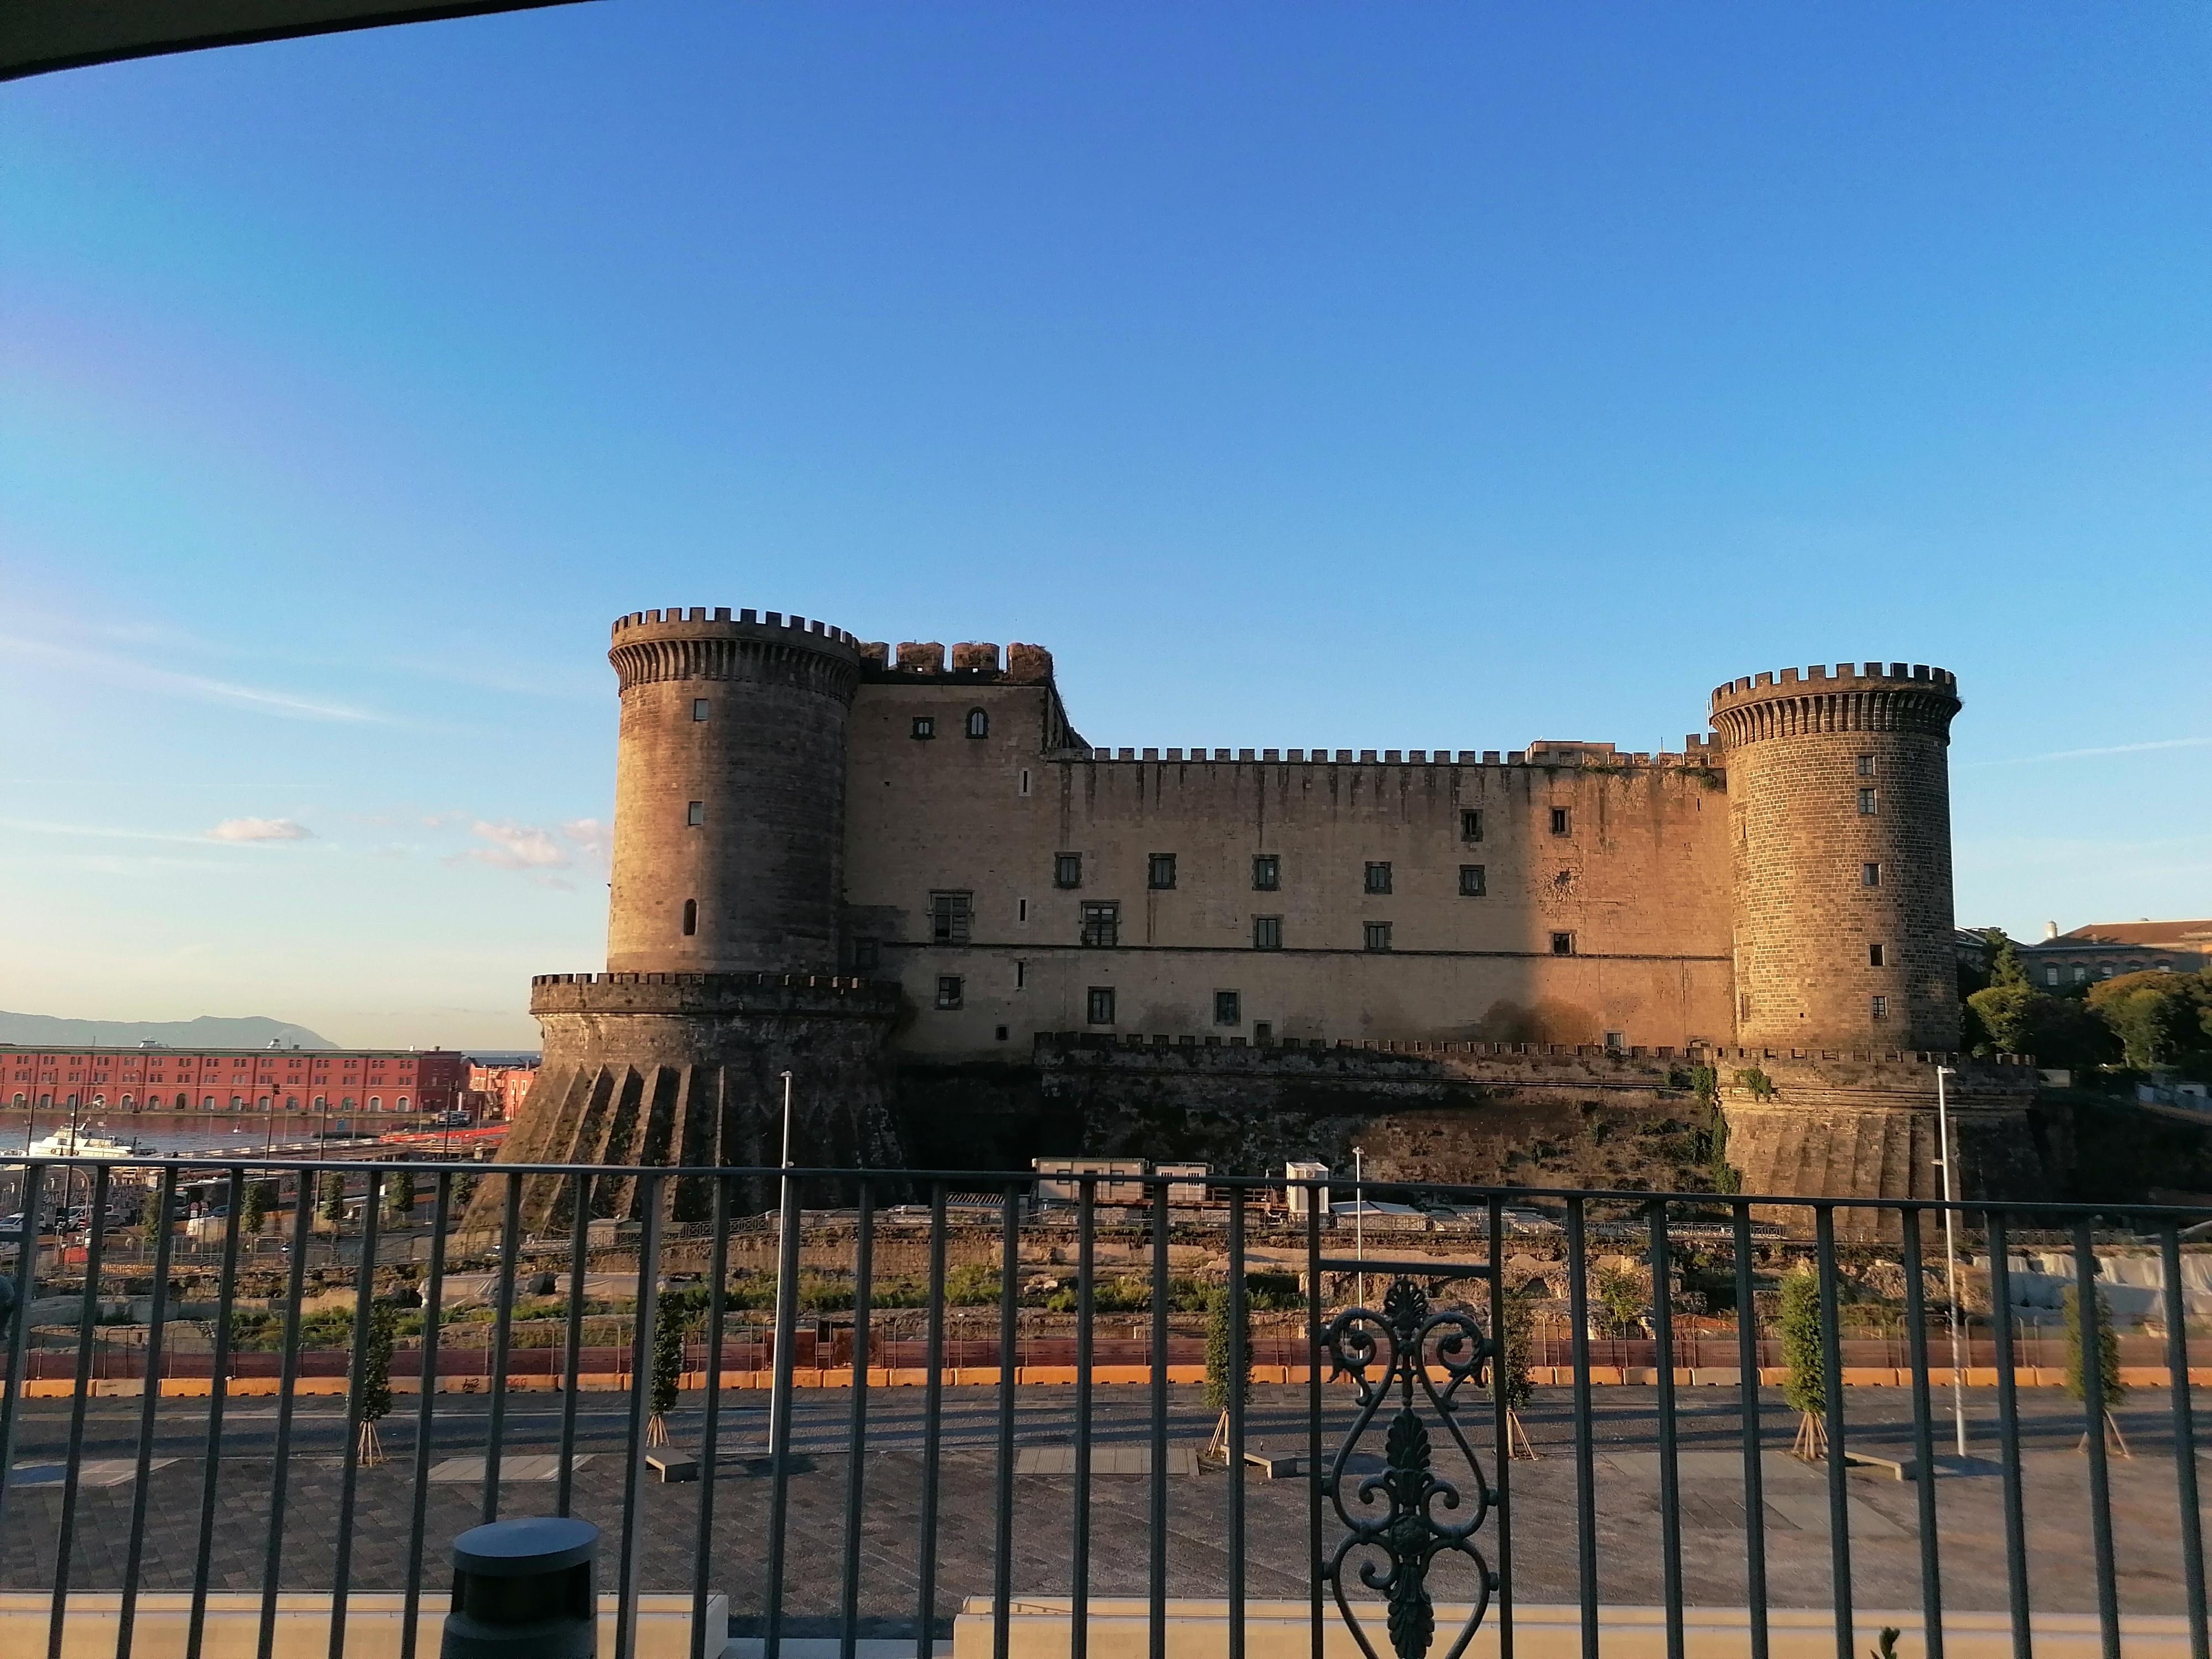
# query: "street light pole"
782, 1211
1359, 1221
1951, 1257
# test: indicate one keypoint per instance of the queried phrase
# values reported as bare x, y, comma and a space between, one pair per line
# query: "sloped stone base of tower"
685, 1070
1860, 1126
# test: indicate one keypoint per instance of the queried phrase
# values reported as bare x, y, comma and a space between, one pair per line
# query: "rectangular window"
1025, 780
1266, 932
1563, 821
1615, 1042
1563, 944
1021, 974
1866, 802
1226, 1010
1263, 1031
950, 917
1378, 935
1021, 910
1099, 1005
700, 707
948, 990
1881, 1009
1067, 869
1159, 873
1870, 874
2050, 976
1102, 925
1378, 877
1470, 825
1866, 766
695, 813
1267, 873
867, 954
1472, 880
1873, 956
2081, 974
925, 726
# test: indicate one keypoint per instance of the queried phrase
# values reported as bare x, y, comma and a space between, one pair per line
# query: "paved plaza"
1884, 1521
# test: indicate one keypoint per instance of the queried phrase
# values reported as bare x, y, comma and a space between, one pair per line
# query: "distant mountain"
208, 1031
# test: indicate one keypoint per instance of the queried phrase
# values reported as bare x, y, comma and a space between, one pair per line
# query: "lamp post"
1360, 1221
782, 1209
1951, 1257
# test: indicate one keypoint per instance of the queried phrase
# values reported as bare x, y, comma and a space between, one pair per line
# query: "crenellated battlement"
1698, 752
720, 618
1844, 677
974, 662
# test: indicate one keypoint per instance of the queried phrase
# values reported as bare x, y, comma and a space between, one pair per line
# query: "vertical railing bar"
710, 1447
1239, 1371
218, 1397
1924, 1436
572, 1356
1831, 1398
1156, 1568
1078, 1628
2015, 1517
1670, 1511
856, 1438
356, 1391
779, 1450
1002, 1557
2090, 1323
1501, 1410
19, 1335
648, 1198
510, 1240
288, 1381
932, 1432
80, 1395
149, 1417
2185, 1442
433, 1307
1754, 1469
1315, 1486
1585, 1452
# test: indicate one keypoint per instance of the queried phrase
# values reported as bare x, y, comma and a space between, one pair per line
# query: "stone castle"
911, 883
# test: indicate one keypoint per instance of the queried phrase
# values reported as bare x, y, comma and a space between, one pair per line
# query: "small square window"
1881, 1007
925, 726
1067, 869
1563, 821
951, 915
1866, 766
1470, 825
695, 813
1615, 1042
1263, 1031
1866, 802
700, 709
1099, 1005
1378, 877
1159, 873
1472, 880
1266, 932
1563, 944
1101, 924
1378, 935
1873, 956
1870, 874
1226, 1008
1267, 873
948, 990
1003, 1034
867, 955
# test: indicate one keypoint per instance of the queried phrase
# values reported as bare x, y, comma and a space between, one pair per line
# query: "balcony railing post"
2179, 1391
79, 1397
647, 1195
2090, 1323
1832, 1396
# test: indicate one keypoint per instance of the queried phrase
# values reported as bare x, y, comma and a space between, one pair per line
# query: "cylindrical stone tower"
722, 932
1839, 815
729, 833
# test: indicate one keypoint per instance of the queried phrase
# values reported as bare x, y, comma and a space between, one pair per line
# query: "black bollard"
522, 1590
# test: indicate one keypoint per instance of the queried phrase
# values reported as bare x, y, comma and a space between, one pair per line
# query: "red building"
232, 1081
496, 1092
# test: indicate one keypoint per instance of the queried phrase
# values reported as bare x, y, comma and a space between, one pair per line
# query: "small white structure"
1299, 1200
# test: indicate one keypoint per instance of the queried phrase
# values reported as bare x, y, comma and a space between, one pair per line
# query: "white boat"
87, 1143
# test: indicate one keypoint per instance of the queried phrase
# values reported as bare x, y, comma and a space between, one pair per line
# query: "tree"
2156, 1016
399, 1196
1516, 1349
1805, 1387
1225, 1381
260, 1199
2007, 1014
2022, 1020
332, 1209
2108, 1363
381, 1339
672, 1323
153, 1220
1621, 1293
2005, 966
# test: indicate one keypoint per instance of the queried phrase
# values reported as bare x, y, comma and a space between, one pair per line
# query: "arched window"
376, 1102
100, 1100
72, 1100
18, 1097
236, 1102
979, 723
321, 1100
126, 1102
690, 917
207, 1102
346, 1105
402, 1103
182, 1101
45, 1100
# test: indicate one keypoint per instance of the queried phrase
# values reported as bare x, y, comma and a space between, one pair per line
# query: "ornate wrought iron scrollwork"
1399, 1514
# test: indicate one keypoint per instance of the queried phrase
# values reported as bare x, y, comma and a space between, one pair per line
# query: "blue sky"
1365, 376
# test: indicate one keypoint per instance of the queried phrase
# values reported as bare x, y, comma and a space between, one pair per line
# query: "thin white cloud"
593, 840
260, 830
128, 670
2093, 754
98, 832
519, 846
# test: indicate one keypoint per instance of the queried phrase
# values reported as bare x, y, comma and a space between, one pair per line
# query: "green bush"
2108, 1351
1805, 1387
1224, 1381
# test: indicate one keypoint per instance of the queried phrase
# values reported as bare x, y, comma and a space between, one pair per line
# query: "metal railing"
1056, 1353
